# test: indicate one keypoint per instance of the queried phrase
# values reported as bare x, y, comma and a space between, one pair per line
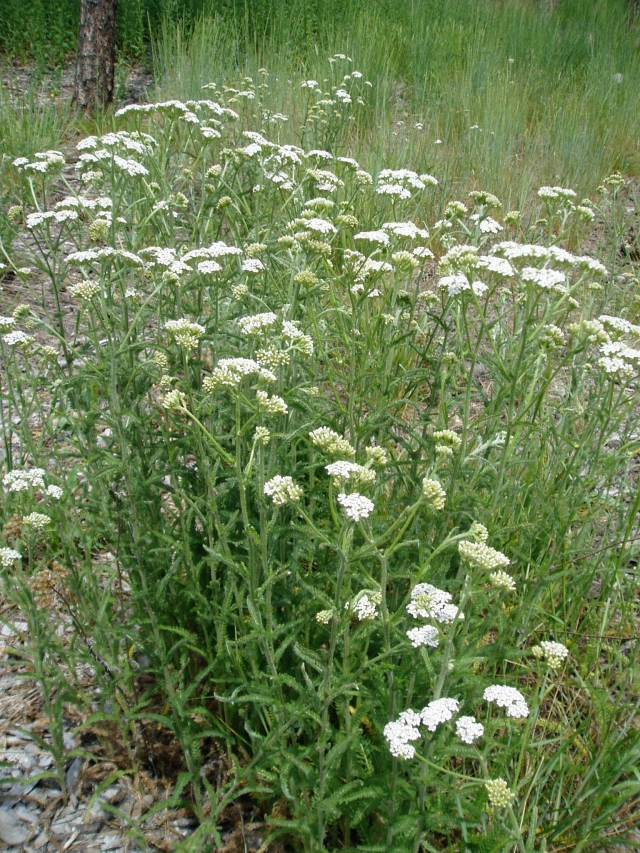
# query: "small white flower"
401, 732
509, 698
356, 506
254, 266
429, 602
21, 480
55, 492
256, 323
426, 635
8, 557
468, 729
437, 712
380, 237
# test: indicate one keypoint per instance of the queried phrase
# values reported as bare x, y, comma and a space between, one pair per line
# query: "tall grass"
542, 88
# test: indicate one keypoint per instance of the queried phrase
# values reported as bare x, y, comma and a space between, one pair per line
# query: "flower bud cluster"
185, 332
85, 290
500, 795
37, 520
433, 492
281, 490
483, 556
273, 405
554, 654
329, 441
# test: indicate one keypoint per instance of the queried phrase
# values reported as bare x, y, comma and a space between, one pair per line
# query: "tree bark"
95, 63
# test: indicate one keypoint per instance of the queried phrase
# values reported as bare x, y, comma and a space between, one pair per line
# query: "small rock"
12, 830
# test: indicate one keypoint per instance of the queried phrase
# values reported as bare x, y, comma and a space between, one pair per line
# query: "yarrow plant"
256, 401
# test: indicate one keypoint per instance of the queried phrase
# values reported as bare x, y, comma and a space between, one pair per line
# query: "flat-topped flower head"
331, 442
468, 729
483, 556
22, 480
256, 323
37, 520
437, 712
401, 732
8, 557
426, 635
230, 372
429, 602
185, 332
509, 698
356, 506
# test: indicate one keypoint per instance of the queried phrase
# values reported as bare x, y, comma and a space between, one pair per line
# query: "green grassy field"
319, 405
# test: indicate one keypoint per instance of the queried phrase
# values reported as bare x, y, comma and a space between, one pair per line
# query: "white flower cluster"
429, 602
45, 161
271, 405
458, 282
482, 555
401, 732
185, 332
301, 342
281, 490
426, 635
365, 605
433, 492
331, 442
89, 255
381, 238
468, 729
8, 557
256, 323
35, 220
501, 580
509, 698
37, 520
22, 480
556, 193
356, 506
400, 182
405, 229
253, 266
553, 653
437, 712
230, 372
17, 338
546, 279
345, 470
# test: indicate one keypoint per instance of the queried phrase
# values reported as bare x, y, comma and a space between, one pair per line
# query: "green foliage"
230, 592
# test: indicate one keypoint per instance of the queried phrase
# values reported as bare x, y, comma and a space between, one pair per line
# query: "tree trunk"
95, 62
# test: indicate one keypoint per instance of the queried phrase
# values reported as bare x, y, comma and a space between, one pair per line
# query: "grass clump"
294, 458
